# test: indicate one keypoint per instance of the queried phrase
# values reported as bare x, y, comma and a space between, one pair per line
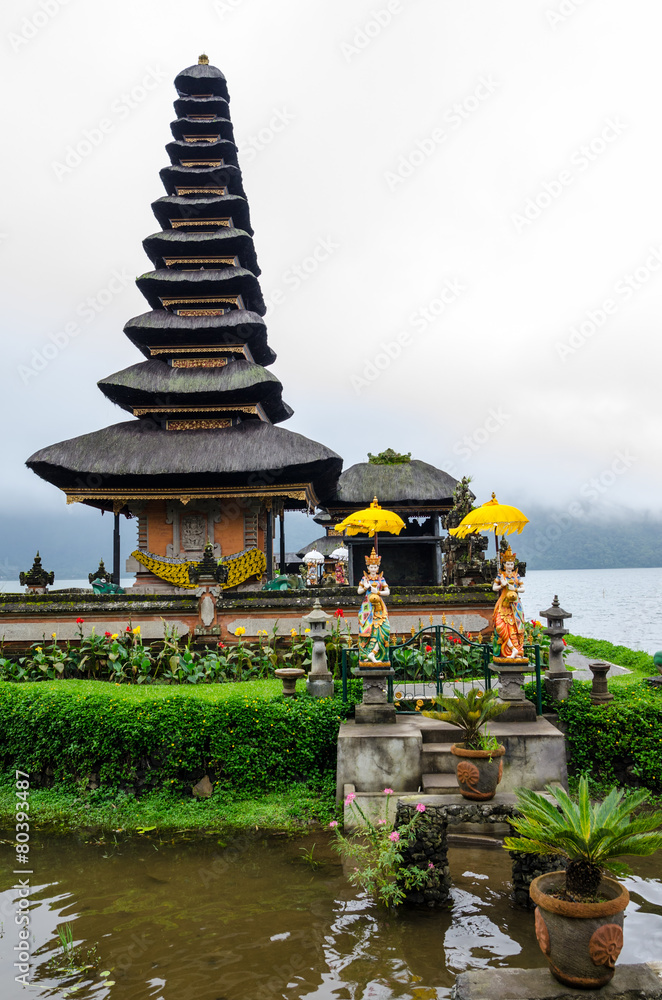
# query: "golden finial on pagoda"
413, 631
443, 619
431, 620
461, 628
203, 60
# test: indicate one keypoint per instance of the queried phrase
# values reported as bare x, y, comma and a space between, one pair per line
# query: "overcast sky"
442, 191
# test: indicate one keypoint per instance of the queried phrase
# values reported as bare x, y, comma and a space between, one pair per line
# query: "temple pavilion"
420, 493
202, 458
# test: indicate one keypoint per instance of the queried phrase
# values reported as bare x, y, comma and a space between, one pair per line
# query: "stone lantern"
558, 678
320, 679
37, 578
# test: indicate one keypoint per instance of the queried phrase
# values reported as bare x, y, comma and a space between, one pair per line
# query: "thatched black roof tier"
160, 328
198, 209
154, 383
136, 454
183, 127
228, 176
221, 150
217, 106
169, 283
223, 242
409, 484
202, 79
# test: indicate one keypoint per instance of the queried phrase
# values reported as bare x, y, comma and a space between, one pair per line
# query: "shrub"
151, 737
619, 742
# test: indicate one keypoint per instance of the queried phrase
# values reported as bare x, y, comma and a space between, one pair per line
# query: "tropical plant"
377, 855
470, 712
591, 836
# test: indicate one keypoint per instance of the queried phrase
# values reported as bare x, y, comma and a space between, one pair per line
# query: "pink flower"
430, 865
381, 822
334, 822
388, 791
420, 807
350, 798
395, 836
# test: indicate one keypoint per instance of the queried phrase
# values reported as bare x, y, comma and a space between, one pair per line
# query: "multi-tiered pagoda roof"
204, 405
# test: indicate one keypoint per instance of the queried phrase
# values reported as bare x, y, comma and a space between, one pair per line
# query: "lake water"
248, 918
621, 605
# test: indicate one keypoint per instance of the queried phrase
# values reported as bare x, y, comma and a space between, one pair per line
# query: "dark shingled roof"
201, 105
408, 483
153, 383
218, 206
169, 282
161, 327
201, 79
136, 453
223, 241
224, 149
182, 127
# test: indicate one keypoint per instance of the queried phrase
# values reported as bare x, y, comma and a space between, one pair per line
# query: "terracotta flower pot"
478, 772
581, 941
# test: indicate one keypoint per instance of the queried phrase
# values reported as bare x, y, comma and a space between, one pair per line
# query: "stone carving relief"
192, 528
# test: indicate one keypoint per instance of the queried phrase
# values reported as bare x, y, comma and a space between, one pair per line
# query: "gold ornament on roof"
203, 60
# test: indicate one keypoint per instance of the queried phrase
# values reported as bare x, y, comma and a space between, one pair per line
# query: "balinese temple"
420, 493
202, 457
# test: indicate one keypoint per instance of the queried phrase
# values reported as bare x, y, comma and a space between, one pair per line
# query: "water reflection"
205, 920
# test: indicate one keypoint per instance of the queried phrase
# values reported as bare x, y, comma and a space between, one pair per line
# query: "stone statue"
103, 587
374, 626
508, 615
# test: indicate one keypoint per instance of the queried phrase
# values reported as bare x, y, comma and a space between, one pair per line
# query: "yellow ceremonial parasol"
500, 518
372, 519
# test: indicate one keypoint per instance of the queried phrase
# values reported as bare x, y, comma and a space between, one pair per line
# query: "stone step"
439, 784
435, 731
436, 758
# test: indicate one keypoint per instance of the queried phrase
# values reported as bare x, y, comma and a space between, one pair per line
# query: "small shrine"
418, 492
202, 460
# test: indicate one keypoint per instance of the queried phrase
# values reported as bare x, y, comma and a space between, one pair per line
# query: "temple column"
270, 544
116, 549
283, 566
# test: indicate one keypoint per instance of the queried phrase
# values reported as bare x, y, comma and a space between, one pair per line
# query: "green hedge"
63, 731
620, 742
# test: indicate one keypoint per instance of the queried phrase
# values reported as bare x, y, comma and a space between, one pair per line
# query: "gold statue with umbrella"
508, 617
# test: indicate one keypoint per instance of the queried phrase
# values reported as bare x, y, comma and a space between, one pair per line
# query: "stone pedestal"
599, 692
375, 706
511, 681
289, 676
558, 685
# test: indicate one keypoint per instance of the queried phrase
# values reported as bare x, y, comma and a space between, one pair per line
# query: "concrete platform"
630, 982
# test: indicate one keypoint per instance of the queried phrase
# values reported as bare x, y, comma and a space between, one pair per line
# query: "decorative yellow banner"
241, 566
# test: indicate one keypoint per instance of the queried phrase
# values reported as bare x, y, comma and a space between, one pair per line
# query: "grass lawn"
639, 663
136, 693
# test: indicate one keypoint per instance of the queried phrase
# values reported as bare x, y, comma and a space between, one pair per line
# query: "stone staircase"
437, 767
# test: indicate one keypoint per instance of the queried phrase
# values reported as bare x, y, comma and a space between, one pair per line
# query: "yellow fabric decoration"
241, 566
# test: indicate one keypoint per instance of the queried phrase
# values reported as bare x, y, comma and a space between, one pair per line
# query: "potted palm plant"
478, 756
579, 911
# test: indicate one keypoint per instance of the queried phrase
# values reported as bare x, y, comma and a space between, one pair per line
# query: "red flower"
128, 628
79, 621
108, 634
339, 613
428, 649
221, 645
